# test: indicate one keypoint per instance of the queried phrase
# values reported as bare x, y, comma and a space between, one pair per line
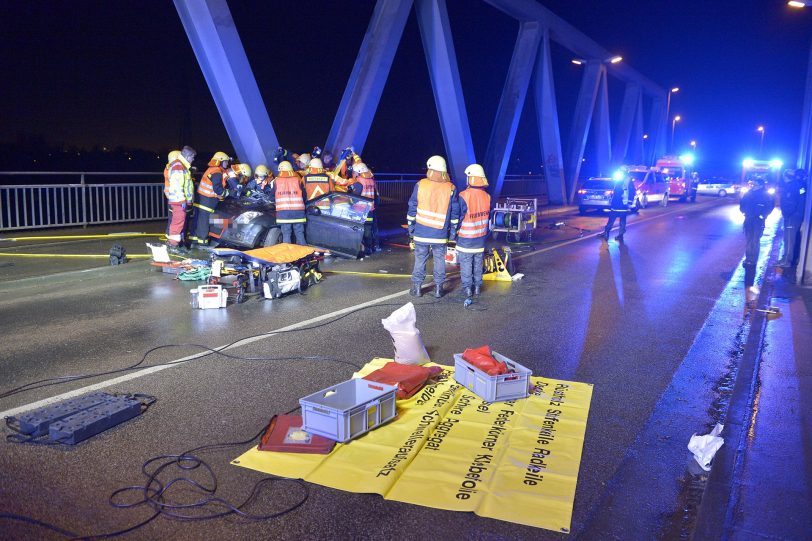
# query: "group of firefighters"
190, 210
436, 213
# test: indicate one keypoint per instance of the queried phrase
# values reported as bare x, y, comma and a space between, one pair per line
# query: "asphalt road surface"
653, 323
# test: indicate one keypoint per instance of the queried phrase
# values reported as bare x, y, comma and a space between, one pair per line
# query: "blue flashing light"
748, 163
776, 164
618, 175
687, 159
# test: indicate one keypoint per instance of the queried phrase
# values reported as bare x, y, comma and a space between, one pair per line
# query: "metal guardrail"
36, 206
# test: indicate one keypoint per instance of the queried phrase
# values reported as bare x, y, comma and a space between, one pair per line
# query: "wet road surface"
622, 316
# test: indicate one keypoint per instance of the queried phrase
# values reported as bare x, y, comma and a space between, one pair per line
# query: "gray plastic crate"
349, 409
499, 388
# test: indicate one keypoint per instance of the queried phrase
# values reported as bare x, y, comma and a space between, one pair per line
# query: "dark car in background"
595, 193
335, 222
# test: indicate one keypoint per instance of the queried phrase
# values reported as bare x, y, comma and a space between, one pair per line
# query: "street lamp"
611, 60
693, 145
677, 118
761, 145
668, 102
799, 3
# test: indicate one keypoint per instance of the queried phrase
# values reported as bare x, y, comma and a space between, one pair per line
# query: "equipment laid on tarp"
76, 419
285, 434
408, 378
349, 409
516, 217
516, 461
278, 269
495, 385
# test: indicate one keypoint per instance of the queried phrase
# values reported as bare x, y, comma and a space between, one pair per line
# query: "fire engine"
676, 172
769, 170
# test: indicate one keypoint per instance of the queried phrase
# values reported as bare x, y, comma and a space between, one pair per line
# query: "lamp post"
693, 146
677, 118
668, 103
761, 144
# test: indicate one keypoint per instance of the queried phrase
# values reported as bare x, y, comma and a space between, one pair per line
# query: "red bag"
407, 377
484, 360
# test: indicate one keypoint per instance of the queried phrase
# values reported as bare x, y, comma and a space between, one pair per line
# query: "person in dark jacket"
622, 198
793, 197
756, 205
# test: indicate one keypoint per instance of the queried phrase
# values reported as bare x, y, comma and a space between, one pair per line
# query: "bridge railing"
108, 197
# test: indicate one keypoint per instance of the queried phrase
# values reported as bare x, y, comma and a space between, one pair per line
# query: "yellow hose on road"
105, 236
73, 256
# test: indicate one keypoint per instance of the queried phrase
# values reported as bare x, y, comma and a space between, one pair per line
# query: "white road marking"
146, 371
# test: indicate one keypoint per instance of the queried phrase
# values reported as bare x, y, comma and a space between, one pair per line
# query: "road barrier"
111, 197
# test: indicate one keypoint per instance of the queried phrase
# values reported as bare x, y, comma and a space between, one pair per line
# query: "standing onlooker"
475, 208
178, 189
433, 217
620, 205
756, 205
793, 196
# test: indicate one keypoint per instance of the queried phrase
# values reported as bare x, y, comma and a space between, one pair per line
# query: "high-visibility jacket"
433, 210
289, 199
213, 183
318, 184
475, 208
368, 188
178, 186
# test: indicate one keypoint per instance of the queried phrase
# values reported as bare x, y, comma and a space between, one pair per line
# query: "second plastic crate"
510, 386
349, 409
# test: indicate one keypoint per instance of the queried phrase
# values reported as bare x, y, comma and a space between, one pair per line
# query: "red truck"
676, 173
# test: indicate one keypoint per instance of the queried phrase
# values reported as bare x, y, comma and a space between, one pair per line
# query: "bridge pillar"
435, 32
804, 269
547, 120
219, 51
511, 103
365, 86
590, 82
628, 116
658, 135
637, 147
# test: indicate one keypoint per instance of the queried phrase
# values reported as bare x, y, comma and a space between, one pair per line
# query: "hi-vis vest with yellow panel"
432, 203
318, 184
205, 187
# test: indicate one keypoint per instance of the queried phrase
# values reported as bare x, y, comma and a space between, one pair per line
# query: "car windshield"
672, 172
343, 206
638, 176
597, 185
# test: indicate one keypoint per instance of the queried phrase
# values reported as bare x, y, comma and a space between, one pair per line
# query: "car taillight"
582, 191
607, 192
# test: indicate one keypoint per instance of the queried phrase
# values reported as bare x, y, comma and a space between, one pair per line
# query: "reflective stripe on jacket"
367, 188
475, 207
210, 185
178, 187
289, 199
318, 184
434, 207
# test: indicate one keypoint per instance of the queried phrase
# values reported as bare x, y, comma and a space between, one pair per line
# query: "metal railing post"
84, 202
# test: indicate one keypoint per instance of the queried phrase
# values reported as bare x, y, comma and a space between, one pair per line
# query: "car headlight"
771, 191
246, 217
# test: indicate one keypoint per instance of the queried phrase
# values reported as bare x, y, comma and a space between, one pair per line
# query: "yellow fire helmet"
242, 169
261, 171
476, 175
437, 163
173, 155
285, 166
218, 158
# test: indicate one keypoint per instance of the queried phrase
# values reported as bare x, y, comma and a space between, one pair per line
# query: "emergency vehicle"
651, 185
769, 170
675, 171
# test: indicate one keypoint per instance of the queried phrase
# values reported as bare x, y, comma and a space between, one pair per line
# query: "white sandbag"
406, 338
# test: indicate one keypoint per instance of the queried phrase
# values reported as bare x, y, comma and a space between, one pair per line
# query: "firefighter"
364, 185
341, 178
303, 161
475, 208
620, 206
793, 196
316, 181
262, 181
433, 217
289, 197
210, 192
179, 192
236, 179
756, 205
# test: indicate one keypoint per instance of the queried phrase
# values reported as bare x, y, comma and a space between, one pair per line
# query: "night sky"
122, 74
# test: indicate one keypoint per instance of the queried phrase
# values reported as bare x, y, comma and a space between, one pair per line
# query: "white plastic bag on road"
409, 348
704, 447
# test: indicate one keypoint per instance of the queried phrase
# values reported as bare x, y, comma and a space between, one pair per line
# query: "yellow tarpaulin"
516, 461
281, 253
